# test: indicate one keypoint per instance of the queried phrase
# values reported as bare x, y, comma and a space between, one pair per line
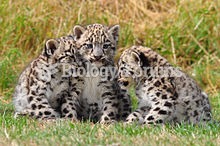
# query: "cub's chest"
91, 92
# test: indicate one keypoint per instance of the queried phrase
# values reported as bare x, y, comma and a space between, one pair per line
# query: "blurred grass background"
186, 32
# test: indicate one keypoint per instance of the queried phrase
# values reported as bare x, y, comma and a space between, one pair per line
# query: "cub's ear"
50, 47
144, 60
114, 30
136, 58
78, 31
140, 59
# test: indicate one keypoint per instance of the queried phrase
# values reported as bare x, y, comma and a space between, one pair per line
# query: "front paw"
132, 118
71, 117
106, 120
23, 113
129, 121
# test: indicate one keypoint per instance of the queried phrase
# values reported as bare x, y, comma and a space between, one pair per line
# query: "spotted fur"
99, 96
165, 93
42, 88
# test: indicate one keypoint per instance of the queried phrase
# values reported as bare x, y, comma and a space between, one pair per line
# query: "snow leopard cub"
42, 88
99, 94
165, 93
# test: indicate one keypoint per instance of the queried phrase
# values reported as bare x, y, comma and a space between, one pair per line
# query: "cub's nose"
97, 57
123, 82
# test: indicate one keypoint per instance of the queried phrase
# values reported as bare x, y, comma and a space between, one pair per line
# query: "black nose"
124, 83
97, 57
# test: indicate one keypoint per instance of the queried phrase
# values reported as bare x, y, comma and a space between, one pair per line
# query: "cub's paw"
106, 120
133, 118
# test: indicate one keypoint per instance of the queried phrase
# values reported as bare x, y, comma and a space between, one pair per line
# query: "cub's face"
97, 43
60, 50
129, 68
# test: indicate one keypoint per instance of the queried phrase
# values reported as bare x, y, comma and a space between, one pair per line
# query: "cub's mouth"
97, 58
97, 62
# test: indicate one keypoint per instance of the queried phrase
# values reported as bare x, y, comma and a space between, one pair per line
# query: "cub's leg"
137, 115
110, 102
39, 108
70, 105
160, 113
125, 105
163, 100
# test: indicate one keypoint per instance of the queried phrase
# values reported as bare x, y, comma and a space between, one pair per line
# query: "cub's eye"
72, 51
106, 46
89, 46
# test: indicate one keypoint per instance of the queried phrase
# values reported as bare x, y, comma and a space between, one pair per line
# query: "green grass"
24, 131
7, 68
185, 32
